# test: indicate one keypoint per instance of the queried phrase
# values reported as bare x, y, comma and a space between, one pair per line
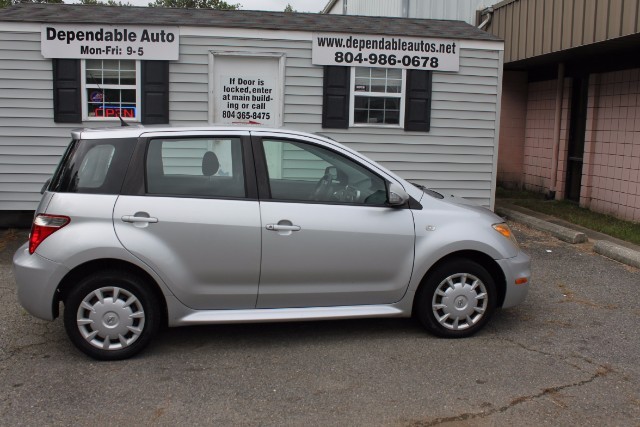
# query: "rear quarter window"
93, 166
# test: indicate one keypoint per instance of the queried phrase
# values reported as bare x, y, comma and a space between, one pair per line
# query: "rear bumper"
37, 279
516, 268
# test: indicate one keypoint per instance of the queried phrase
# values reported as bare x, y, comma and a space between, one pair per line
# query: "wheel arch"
94, 266
482, 259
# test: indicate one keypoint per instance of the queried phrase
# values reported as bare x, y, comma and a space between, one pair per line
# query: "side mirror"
397, 195
45, 186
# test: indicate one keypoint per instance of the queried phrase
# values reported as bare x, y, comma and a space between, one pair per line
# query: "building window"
111, 88
377, 96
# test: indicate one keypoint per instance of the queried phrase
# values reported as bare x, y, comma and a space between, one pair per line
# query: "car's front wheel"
457, 299
111, 315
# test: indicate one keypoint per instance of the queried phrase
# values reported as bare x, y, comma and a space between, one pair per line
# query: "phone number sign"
110, 42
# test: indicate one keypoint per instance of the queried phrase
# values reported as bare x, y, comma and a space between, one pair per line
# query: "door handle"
135, 219
278, 227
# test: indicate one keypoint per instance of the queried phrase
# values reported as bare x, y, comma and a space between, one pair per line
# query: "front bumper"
516, 268
37, 279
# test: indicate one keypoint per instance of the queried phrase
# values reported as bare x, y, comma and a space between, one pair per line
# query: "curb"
563, 233
618, 253
610, 250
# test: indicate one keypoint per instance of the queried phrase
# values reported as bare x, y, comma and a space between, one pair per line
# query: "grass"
502, 193
571, 212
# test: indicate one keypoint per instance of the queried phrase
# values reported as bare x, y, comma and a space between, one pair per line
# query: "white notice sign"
247, 90
247, 99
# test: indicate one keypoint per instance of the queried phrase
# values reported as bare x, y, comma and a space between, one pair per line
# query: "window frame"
83, 94
352, 106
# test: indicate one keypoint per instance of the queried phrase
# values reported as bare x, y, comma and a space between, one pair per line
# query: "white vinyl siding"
458, 10
30, 143
374, 7
456, 156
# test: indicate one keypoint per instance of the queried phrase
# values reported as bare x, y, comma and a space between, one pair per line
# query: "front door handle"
278, 227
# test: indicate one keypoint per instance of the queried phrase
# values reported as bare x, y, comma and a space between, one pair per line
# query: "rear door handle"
277, 227
134, 219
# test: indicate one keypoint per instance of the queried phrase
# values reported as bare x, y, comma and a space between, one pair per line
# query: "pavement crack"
602, 371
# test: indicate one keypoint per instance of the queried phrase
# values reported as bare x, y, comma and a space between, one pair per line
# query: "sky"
277, 5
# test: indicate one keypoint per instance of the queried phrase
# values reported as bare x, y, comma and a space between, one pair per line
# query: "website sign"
357, 50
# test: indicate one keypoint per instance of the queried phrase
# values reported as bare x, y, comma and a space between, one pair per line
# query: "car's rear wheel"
457, 299
111, 315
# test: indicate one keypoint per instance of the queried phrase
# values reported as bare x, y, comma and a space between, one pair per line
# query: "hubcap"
110, 318
460, 301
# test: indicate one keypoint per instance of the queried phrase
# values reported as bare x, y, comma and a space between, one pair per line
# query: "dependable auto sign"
357, 50
110, 42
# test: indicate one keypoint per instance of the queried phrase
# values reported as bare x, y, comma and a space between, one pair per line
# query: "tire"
457, 299
111, 315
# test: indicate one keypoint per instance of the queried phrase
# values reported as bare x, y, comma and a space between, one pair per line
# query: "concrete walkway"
605, 245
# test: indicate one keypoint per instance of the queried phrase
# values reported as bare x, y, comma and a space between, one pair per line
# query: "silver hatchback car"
144, 227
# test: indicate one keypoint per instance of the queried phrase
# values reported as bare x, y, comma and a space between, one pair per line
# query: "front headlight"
504, 229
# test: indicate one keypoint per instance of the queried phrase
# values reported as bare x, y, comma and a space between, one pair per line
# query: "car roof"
136, 131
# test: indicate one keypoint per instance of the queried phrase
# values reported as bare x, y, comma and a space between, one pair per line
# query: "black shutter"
335, 99
417, 114
67, 103
155, 92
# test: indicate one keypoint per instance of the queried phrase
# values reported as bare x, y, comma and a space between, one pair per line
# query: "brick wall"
512, 129
541, 106
611, 175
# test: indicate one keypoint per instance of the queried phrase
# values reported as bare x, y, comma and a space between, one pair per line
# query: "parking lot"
570, 355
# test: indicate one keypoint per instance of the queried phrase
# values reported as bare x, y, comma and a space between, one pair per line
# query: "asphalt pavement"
567, 356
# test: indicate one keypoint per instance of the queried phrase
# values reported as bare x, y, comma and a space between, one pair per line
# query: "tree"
289, 8
107, 3
6, 3
196, 4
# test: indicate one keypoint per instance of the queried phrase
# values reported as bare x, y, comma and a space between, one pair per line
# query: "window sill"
372, 125
110, 119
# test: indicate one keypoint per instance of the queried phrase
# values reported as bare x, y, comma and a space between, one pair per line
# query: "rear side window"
196, 167
93, 166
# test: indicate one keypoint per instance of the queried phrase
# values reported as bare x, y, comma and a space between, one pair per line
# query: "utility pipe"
556, 133
489, 12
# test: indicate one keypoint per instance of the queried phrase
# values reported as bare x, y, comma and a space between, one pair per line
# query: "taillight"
43, 227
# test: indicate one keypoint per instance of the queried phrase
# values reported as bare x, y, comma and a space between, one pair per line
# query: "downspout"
556, 133
405, 8
489, 12
344, 7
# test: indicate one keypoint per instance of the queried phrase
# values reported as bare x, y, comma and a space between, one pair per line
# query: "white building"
459, 10
419, 96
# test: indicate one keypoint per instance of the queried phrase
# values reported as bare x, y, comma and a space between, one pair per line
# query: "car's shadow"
301, 334
289, 333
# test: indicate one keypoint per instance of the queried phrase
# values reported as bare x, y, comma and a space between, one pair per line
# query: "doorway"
577, 128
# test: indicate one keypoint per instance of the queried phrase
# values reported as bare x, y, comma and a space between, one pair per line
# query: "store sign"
110, 42
243, 96
357, 50
115, 111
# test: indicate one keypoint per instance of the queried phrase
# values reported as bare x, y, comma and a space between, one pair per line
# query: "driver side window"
301, 171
